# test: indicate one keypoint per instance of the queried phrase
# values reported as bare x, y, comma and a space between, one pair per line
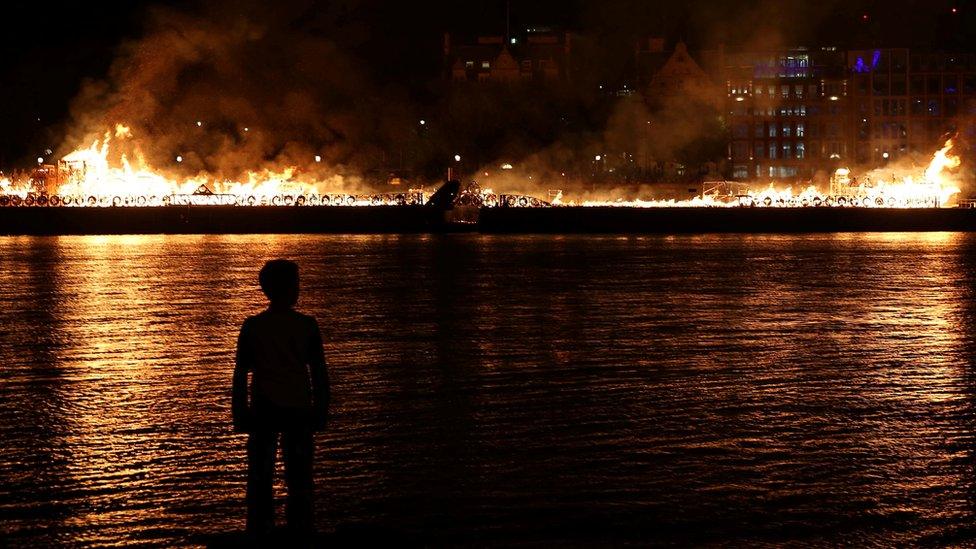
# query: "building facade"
801, 113
536, 54
909, 102
678, 74
787, 112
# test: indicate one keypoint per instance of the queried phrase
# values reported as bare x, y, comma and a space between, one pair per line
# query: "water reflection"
689, 389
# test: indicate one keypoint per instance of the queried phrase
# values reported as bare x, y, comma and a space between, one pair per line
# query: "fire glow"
89, 177
934, 189
112, 171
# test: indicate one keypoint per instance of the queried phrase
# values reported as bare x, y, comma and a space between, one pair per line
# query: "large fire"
112, 171
104, 174
934, 189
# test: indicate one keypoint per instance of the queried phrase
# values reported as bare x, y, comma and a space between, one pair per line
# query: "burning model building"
95, 177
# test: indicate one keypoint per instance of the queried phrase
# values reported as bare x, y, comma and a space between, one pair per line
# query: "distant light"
955, 10
597, 158
457, 158
247, 129
864, 17
515, 40
199, 123
833, 98
506, 166
601, 86
423, 122
884, 155
740, 98
486, 174
835, 155
318, 158
47, 151
563, 174
40, 159
179, 158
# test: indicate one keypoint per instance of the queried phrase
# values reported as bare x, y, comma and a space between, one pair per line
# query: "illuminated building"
907, 102
787, 112
800, 113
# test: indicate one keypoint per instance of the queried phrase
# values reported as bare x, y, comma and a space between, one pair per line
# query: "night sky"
49, 52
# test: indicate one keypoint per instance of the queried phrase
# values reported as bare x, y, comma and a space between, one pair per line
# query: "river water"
542, 389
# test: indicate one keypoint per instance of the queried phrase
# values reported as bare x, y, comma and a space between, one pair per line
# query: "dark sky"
48, 52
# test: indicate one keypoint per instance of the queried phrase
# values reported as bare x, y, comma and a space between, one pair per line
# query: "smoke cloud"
238, 88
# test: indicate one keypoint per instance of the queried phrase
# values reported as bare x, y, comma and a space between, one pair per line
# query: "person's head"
279, 281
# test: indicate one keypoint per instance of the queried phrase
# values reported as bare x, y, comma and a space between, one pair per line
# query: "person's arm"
243, 365
320, 377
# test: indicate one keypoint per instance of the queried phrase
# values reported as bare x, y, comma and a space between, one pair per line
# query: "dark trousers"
262, 445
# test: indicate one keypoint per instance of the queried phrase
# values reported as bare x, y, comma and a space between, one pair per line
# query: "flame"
935, 189
113, 171
941, 161
8, 188
89, 172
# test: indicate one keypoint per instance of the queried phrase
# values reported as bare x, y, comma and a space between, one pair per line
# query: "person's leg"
298, 450
261, 447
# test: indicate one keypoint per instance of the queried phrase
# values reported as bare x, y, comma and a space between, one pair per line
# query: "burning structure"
85, 193
93, 177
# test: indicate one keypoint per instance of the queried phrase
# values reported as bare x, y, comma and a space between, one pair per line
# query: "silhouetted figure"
289, 398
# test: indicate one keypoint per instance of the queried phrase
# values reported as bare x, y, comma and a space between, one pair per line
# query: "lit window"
485, 65
787, 151
799, 129
786, 130
800, 150
772, 150
772, 130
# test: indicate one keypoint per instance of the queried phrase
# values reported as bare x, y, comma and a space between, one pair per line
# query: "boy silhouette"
289, 399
